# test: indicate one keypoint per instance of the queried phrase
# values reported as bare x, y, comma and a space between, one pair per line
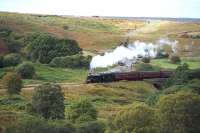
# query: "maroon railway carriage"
130, 76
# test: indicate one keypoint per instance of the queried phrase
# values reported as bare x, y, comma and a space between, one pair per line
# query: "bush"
146, 67
12, 83
11, 60
14, 102
146, 59
1, 61
13, 46
175, 59
153, 98
91, 127
75, 61
82, 111
179, 113
180, 77
48, 101
161, 54
194, 85
26, 70
44, 47
31, 124
194, 74
138, 118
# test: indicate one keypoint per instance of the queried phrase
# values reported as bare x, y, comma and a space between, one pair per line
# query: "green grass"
193, 62
44, 73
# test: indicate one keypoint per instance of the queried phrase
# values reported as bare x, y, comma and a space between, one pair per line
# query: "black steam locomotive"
129, 76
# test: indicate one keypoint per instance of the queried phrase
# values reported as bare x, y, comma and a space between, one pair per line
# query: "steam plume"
131, 51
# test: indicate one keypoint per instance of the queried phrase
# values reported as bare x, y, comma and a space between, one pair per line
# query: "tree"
26, 70
11, 60
180, 76
44, 47
48, 101
175, 59
75, 61
82, 111
12, 83
179, 113
138, 118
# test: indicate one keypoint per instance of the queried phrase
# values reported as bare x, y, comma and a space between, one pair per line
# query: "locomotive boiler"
129, 76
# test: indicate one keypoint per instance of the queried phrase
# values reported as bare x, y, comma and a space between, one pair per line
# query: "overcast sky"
132, 8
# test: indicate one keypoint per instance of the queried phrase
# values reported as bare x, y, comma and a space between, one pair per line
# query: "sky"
127, 8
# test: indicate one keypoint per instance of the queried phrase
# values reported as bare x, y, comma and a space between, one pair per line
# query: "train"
128, 76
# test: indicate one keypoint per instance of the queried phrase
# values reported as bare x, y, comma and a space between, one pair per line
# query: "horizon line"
96, 16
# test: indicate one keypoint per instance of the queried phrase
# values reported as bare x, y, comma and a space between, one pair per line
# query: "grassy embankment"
44, 73
193, 62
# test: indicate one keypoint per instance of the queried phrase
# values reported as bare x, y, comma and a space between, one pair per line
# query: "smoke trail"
164, 41
131, 51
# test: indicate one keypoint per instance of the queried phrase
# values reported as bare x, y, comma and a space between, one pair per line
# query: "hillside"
91, 33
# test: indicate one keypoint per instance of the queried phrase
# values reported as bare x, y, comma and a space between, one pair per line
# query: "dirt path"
64, 85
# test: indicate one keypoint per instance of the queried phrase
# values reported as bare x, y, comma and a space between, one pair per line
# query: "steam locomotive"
129, 76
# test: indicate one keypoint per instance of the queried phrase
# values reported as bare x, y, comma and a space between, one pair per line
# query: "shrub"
1, 61
44, 47
75, 61
153, 98
194, 85
26, 70
3, 47
5, 33
11, 60
194, 74
13, 46
175, 59
91, 127
31, 124
179, 113
146, 67
65, 27
146, 59
161, 54
12, 83
14, 102
48, 101
82, 111
138, 118
180, 77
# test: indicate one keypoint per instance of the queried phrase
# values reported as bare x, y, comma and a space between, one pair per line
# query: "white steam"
165, 41
131, 51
